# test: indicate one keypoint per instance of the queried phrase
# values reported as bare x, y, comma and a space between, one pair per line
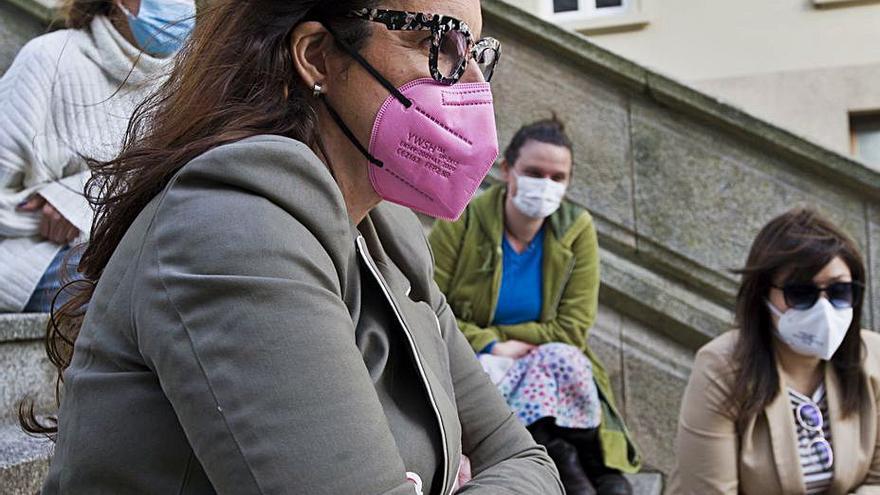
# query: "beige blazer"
763, 459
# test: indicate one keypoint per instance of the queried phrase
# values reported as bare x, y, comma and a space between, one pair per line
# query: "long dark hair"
795, 245
235, 78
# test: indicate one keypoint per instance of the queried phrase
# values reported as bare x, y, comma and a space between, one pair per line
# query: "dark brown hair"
551, 131
235, 78
78, 14
795, 246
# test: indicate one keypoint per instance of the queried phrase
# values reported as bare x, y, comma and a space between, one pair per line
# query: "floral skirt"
553, 381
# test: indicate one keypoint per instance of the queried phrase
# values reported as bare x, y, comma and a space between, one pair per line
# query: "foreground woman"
262, 322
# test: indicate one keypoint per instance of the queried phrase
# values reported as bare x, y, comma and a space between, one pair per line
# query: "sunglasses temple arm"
369, 67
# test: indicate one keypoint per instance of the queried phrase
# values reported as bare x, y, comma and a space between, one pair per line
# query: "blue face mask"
161, 26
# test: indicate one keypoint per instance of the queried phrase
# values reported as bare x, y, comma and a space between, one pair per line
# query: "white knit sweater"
67, 94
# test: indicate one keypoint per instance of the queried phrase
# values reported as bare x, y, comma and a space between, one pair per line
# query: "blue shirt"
519, 299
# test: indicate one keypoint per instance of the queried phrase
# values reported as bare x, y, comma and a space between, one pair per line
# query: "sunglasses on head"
801, 296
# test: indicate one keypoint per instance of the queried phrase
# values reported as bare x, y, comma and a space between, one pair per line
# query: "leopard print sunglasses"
452, 44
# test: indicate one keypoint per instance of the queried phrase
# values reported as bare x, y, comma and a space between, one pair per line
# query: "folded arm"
504, 457
25, 94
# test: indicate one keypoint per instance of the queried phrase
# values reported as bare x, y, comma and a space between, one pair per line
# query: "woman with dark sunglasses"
788, 403
260, 320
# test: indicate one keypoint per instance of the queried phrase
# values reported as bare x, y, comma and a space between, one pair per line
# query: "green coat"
468, 260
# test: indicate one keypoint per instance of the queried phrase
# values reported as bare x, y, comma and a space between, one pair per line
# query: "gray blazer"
246, 338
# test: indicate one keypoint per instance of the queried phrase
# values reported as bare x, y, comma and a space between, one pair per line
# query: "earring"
317, 90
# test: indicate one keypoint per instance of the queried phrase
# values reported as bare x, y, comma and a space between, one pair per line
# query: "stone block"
24, 461
27, 326
604, 341
646, 483
655, 375
704, 194
527, 88
16, 28
26, 372
669, 307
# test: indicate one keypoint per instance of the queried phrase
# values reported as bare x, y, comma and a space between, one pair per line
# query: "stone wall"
17, 26
679, 184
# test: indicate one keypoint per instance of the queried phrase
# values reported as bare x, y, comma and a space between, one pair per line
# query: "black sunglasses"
802, 296
452, 44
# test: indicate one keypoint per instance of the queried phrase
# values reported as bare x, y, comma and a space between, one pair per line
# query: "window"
865, 137
829, 4
564, 6
567, 9
595, 16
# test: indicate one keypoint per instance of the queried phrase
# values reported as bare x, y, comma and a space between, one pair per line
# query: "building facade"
809, 66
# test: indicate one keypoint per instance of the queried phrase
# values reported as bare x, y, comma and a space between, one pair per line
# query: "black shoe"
607, 481
565, 457
543, 430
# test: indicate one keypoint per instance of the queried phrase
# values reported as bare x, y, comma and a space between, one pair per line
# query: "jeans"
56, 275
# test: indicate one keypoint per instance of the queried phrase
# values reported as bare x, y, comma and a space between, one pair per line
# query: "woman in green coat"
520, 269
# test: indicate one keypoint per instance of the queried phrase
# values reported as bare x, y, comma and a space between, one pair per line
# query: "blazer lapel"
784, 442
395, 286
845, 439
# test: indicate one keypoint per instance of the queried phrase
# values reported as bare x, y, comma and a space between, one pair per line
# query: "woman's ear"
309, 46
505, 169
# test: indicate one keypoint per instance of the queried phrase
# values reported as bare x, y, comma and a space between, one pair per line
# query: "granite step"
17, 327
26, 371
24, 366
646, 483
24, 461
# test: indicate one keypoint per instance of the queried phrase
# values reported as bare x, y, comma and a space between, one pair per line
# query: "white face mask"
538, 198
817, 331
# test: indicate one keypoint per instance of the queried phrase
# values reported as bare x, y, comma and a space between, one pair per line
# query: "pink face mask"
432, 143
435, 153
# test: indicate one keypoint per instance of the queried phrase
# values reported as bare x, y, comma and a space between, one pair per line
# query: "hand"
53, 226
512, 348
464, 473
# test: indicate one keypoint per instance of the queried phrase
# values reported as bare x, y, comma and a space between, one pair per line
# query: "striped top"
817, 477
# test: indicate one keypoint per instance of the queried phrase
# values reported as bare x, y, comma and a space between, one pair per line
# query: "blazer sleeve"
871, 483
578, 305
240, 317
504, 457
706, 444
446, 241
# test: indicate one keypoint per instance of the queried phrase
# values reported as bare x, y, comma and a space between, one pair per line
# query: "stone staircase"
23, 461
26, 371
